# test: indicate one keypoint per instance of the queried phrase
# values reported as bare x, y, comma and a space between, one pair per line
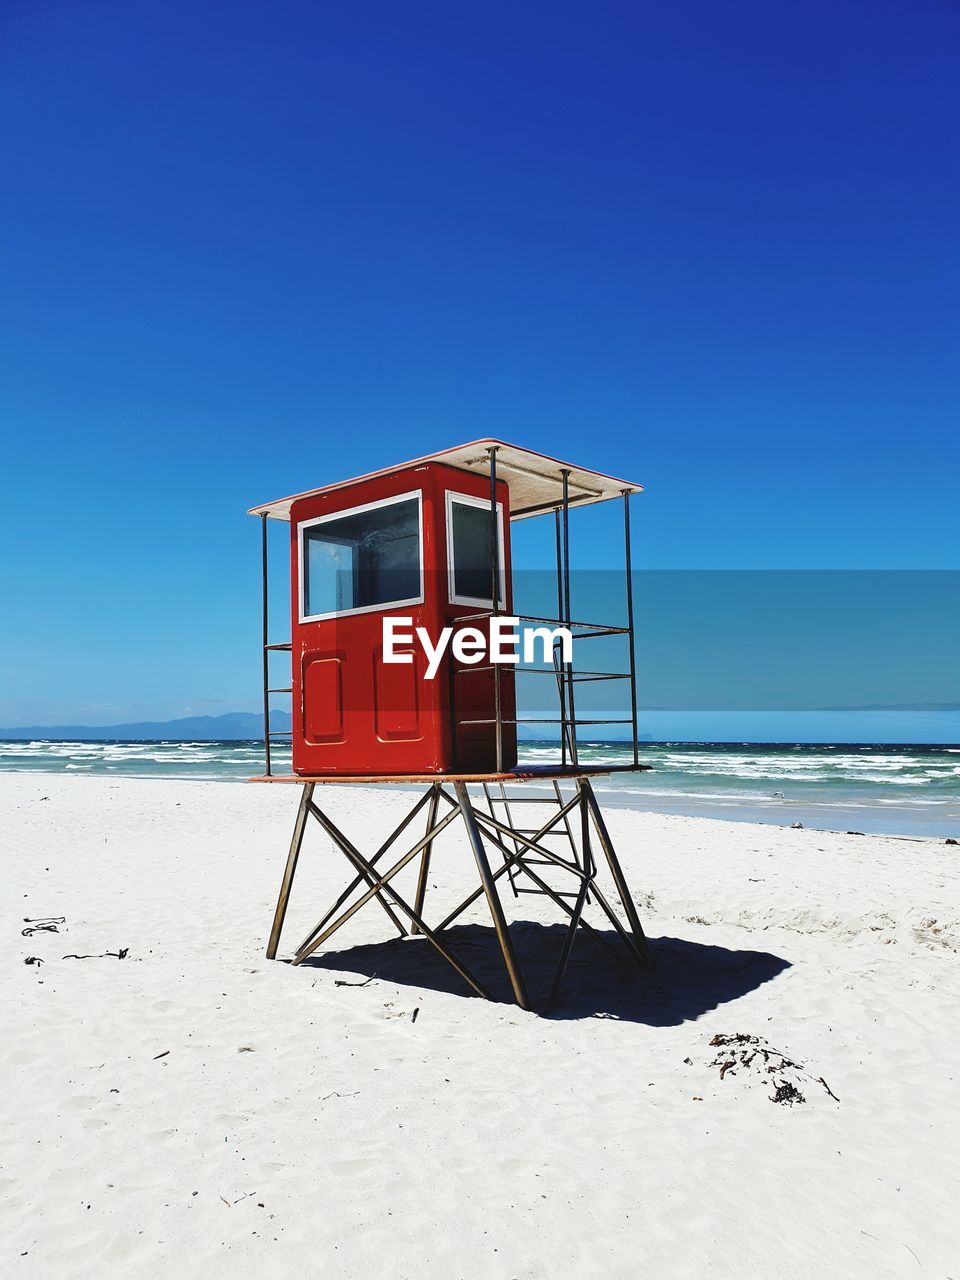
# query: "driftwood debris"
343, 982
42, 924
102, 955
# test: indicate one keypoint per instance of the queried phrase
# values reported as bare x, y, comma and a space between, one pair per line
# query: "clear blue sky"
252, 247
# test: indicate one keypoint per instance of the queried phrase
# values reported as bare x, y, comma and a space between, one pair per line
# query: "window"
468, 550
363, 559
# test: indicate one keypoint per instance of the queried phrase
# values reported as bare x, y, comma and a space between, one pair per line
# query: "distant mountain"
233, 725
897, 706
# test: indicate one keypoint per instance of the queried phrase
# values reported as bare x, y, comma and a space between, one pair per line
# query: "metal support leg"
581, 896
377, 887
619, 878
509, 859
506, 810
265, 620
545, 889
529, 843
569, 829
491, 827
480, 827
425, 857
402, 826
568, 940
362, 866
493, 898
291, 867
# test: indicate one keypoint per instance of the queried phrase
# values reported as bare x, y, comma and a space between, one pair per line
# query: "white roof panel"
535, 480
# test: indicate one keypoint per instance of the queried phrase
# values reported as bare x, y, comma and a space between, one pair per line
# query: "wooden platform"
522, 773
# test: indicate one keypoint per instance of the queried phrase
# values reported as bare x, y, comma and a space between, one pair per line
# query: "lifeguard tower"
426, 544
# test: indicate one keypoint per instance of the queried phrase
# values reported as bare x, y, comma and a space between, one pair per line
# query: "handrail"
607, 628
549, 671
544, 720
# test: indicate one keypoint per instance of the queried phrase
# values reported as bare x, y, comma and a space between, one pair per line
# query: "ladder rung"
600, 631
532, 831
286, 646
552, 671
547, 720
527, 800
289, 690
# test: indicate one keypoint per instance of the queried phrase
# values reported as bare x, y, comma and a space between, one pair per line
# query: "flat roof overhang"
535, 480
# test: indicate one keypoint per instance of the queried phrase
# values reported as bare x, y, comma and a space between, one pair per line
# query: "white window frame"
340, 515
467, 500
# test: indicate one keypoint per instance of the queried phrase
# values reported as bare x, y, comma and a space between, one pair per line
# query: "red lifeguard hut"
385, 568
409, 543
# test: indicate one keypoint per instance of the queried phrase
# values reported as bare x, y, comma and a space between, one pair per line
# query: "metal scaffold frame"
480, 827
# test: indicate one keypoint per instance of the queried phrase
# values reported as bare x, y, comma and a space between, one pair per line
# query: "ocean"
869, 788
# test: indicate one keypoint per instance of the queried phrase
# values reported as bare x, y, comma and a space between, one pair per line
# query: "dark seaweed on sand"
752, 1053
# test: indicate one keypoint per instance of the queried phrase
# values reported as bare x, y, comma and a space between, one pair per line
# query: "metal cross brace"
479, 826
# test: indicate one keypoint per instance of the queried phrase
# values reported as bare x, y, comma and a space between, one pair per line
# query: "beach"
174, 1103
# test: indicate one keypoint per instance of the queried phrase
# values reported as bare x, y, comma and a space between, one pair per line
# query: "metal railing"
565, 673
268, 648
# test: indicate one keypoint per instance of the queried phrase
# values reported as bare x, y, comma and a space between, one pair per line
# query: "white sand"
477, 1140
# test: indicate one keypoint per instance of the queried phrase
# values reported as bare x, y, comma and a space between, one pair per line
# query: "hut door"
470, 591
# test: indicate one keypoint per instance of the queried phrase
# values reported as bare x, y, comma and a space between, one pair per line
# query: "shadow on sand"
692, 978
